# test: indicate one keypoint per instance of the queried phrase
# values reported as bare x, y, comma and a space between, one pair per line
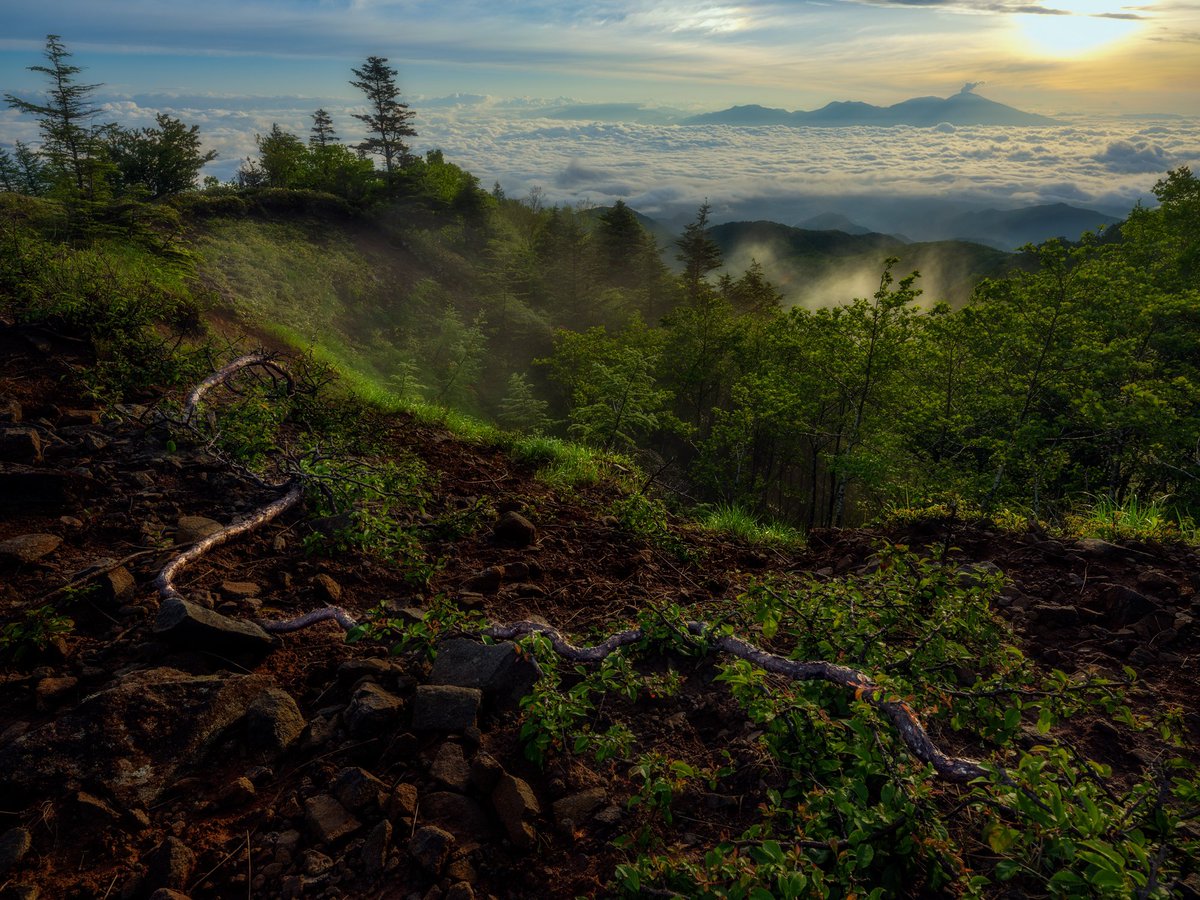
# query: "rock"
50, 691
486, 582
451, 768
168, 894
170, 865
445, 707
403, 801
358, 790
460, 891
89, 806
373, 857
240, 589
21, 891
27, 548
485, 772
496, 669
1054, 615
314, 863
20, 445
576, 808
372, 711
153, 724
14, 845
431, 847
976, 574
79, 417
10, 410
1155, 580
460, 815
237, 793
1098, 548
118, 584
514, 530
327, 590
273, 722
611, 815
190, 529
183, 622
516, 805
1124, 605
328, 820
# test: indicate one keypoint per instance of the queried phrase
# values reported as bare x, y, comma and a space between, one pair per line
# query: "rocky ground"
193, 755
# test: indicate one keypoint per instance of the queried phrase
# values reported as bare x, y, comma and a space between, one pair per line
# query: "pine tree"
322, 133
387, 121
520, 409
699, 254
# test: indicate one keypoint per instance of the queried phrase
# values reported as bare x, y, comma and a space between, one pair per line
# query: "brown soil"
583, 574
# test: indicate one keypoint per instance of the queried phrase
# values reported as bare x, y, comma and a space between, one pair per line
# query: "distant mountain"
1012, 228
612, 112
825, 268
963, 108
831, 221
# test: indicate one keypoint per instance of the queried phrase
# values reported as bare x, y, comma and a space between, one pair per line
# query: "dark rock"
169, 894
237, 793
170, 865
358, 790
27, 548
51, 691
375, 849
485, 772
611, 815
79, 417
516, 805
431, 847
976, 574
458, 814
514, 530
1054, 615
460, 891
183, 622
372, 711
403, 801
10, 410
273, 722
486, 582
118, 584
20, 445
14, 845
327, 590
445, 707
450, 767
496, 669
153, 724
190, 529
1124, 605
90, 807
469, 600
577, 807
1155, 580
21, 891
1099, 549
328, 820
314, 863
240, 589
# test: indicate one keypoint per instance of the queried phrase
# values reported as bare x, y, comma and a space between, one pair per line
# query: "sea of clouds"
886, 178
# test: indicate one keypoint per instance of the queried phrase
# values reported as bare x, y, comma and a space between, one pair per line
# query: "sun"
1083, 27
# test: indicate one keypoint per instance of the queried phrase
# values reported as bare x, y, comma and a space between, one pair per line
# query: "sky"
483, 75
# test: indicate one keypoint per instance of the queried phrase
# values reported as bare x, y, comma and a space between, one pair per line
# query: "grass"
737, 521
1131, 519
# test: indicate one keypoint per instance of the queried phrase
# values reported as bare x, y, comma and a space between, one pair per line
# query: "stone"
89, 806
15, 844
1054, 614
169, 894
485, 772
976, 574
22, 891
372, 711
1156, 580
1098, 548
460, 891
20, 445
516, 805
328, 820
576, 808
328, 590
50, 691
460, 815
496, 669
190, 529
445, 708
79, 417
487, 581
10, 410
611, 815
375, 849
273, 722
183, 622
431, 846
402, 804
1124, 605
153, 724
514, 530
450, 767
240, 589
27, 548
237, 793
170, 865
118, 584
314, 863
358, 790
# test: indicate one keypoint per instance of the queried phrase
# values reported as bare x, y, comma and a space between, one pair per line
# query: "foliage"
441, 620
735, 520
388, 118
34, 632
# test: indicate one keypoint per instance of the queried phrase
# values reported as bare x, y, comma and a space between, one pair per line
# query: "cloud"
1134, 156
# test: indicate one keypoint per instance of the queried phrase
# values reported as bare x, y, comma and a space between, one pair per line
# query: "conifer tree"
322, 133
388, 118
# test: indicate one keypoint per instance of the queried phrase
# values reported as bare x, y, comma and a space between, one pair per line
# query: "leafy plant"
421, 635
33, 633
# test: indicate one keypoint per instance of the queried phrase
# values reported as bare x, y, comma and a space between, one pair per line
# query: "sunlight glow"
1086, 26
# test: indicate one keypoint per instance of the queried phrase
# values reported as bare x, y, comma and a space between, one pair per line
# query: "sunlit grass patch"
564, 463
1131, 519
737, 521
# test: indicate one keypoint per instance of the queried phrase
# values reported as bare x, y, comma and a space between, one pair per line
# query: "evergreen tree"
163, 161
387, 121
71, 147
322, 133
520, 409
699, 254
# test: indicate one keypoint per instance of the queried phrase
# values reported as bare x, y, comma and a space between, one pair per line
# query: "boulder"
358, 790
516, 805
170, 865
191, 529
576, 808
460, 815
152, 725
328, 820
183, 622
450, 767
372, 711
19, 444
514, 530
431, 846
496, 669
15, 844
445, 708
327, 590
27, 548
374, 854
273, 722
